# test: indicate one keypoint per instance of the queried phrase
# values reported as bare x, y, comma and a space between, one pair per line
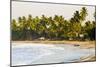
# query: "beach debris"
76, 45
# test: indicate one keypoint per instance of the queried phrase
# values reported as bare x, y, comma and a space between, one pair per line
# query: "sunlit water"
33, 53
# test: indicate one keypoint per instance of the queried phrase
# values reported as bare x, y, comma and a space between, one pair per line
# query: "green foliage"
53, 28
90, 30
83, 14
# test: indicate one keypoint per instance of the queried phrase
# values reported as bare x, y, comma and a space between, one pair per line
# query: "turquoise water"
33, 53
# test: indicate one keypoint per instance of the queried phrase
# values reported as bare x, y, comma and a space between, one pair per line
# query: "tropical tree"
83, 14
53, 28
75, 25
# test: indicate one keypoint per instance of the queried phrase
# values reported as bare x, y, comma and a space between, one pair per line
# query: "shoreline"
88, 58
82, 44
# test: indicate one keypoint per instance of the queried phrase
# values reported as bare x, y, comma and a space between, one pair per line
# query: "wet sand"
32, 53
81, 44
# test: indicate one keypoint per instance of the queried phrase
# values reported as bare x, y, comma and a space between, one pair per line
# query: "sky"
38, 9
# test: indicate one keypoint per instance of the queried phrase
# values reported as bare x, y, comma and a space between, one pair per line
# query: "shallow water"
33, 53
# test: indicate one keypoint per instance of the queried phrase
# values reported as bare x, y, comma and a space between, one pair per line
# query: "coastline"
82, 44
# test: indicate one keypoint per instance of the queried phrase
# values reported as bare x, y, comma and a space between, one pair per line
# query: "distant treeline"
54, 28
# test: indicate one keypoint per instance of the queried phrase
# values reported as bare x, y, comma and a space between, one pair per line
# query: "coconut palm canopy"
31, 21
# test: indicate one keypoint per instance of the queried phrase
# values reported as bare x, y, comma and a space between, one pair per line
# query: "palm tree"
28, 27
43, 23
20, 23
76, 17
24, 23
83, 14
75, 24
14, 25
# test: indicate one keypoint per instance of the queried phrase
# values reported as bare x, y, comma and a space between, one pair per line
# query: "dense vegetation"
54, 28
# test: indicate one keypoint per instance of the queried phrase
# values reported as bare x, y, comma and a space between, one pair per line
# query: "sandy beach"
61, 51
82, 44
